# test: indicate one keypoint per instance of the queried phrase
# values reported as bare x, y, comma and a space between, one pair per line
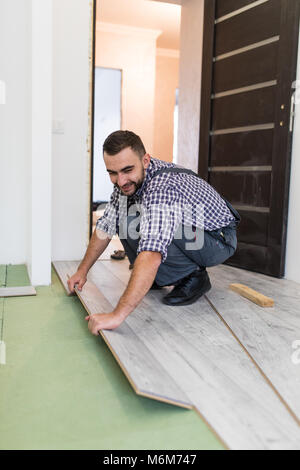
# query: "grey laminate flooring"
268, 334
189, 356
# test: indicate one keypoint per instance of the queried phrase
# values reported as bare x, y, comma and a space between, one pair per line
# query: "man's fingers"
81, 284
70, 285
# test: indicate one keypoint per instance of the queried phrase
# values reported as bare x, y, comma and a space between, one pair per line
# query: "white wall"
293, 251
15, 130
25, 136
39, 243
190, 70
70, 159
25, 132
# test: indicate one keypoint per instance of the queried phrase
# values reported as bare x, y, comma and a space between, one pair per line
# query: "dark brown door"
249, 66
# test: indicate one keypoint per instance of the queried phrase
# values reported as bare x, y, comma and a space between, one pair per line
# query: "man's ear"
146, 160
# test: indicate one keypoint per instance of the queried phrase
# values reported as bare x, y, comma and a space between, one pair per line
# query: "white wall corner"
72, 58
39, 256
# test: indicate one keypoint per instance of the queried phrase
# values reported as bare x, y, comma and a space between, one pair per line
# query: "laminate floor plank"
17, 291
218, 376
63, 269
147, 376
267, 334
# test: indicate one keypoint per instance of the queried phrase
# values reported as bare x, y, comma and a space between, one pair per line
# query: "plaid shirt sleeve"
109, 222
160, 217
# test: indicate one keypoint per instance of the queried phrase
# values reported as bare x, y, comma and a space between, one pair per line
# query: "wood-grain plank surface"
242, 149
252, 26
219, 377
190, 352
253, 67
146, 375
245, 109
253, 228
17, 291
223, 7
268, 334
248, 188
63, 269
257, 258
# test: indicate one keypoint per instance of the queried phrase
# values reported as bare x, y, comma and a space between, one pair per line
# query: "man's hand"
103, 321
144, 271
78, 279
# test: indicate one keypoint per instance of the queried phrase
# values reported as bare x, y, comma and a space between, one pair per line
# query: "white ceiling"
144, 14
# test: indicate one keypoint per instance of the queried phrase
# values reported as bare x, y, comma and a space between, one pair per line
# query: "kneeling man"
172, 225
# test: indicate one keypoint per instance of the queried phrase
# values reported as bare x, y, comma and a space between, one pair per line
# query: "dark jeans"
182, 261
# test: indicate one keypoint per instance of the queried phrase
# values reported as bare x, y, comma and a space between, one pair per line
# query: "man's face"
126, 170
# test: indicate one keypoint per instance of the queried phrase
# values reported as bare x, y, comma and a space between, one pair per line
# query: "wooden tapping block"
252, 295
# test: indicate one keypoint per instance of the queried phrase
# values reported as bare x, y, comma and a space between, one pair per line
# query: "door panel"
224, 7
243, 188
254, 229
242, 149
245, 135
255, 66
254, 25
244, 109
257, 258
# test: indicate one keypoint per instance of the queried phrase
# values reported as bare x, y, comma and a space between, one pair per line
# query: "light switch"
2, 92
58, 126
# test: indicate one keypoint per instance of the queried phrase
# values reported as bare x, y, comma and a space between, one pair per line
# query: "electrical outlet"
58, 126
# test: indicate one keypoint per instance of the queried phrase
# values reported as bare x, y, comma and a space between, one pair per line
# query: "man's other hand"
78, 279
103, 321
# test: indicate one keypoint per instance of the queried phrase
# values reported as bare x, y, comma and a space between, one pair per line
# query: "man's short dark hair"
120, 140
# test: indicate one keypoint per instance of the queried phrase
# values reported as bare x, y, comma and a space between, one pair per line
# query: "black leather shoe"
189, 289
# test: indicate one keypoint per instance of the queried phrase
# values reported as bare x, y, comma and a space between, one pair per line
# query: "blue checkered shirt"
165, 202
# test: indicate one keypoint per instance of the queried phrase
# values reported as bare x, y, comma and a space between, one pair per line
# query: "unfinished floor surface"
189, 356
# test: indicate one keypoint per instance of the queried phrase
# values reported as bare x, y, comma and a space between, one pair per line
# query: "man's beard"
136, 185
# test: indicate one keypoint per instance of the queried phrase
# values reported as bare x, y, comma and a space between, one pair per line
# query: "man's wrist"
122, 312
83, 271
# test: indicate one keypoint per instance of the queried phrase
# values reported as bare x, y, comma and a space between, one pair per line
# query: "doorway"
107, 118
136, 75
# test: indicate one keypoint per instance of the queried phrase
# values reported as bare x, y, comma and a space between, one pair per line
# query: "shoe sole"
189, 301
